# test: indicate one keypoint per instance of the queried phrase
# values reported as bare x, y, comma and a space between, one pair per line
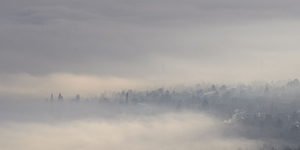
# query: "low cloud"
164, 131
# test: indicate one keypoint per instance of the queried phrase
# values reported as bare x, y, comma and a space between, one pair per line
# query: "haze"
144, 43
159, 74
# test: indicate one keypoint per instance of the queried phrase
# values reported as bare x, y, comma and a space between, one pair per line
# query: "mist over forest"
149, 74
256, 116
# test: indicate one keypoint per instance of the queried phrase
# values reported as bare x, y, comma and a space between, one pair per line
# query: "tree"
279, 123
294, 132
126, 101
295, 115
60, 97
213, 88
266, 91
205, 104
51, 99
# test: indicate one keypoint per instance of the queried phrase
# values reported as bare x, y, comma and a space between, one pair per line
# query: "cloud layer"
157, 41
164, 131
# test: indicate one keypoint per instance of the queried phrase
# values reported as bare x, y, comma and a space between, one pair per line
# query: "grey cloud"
135, 38
162, 11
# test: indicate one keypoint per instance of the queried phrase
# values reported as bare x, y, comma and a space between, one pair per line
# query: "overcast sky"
75, 46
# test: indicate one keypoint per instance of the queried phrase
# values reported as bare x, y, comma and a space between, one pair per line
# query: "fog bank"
172, 130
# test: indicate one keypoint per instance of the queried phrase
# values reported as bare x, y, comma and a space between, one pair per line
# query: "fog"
122, 130
159, 74
257, 116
